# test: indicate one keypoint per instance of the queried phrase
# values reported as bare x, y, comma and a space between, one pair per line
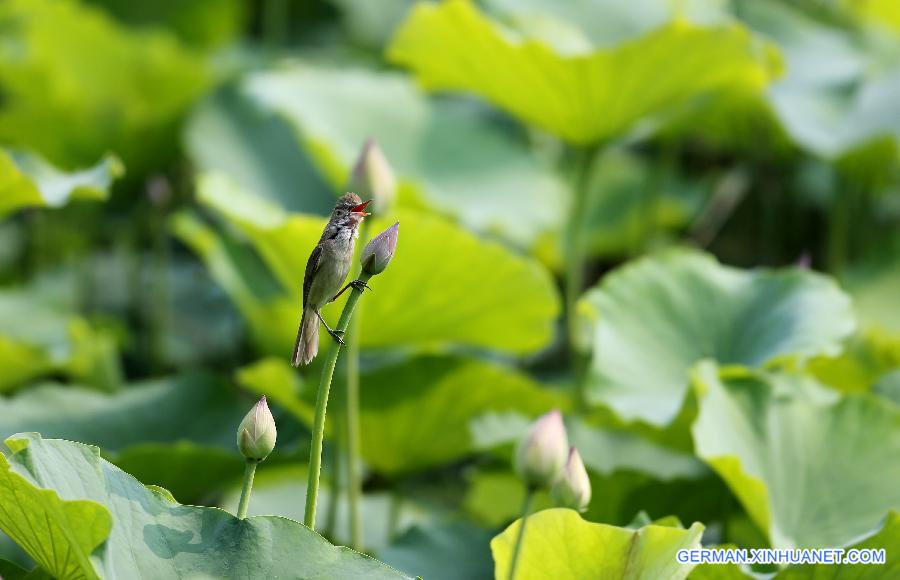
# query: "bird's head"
349, 211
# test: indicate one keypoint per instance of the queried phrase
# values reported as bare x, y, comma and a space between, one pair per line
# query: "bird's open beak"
361, 208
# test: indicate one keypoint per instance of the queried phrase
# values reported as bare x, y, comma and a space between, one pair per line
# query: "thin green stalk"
575, 260
838, 231
318, 433
354, 483
526, 509
275, 22
338, 443
351, 409
249, 472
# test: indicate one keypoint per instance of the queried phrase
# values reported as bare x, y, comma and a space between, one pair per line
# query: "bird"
327, 268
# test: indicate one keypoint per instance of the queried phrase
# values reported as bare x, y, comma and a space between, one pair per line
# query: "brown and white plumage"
327, 268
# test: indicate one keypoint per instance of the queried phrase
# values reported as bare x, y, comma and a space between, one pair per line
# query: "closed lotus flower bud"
379, 251
573, 489
541, 455
256, 433
372, 177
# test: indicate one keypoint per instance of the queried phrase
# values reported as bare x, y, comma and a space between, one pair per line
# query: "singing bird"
327, 268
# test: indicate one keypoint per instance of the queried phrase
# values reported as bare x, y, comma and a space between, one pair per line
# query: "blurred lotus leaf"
76, 85
39, 338
596, 94
866, 357
684, 307
229, 132
813, 468
559, 544
206, 24
425, 301
151, 533
450, 551
26, 180
497, 185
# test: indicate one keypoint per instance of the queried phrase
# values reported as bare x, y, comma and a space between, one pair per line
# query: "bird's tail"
307, 344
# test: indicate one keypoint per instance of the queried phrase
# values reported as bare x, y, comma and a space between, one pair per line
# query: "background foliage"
674, 220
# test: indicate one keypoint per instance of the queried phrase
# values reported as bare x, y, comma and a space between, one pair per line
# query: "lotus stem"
249, 472
520, 537
318, 433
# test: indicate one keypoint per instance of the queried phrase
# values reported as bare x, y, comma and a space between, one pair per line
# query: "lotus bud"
379, 251
541, 455
573, 489
373, 178
256, 433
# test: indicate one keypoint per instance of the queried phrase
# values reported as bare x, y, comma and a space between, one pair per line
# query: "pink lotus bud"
541, 455
573, 489
372, 177
256, 433
379, 251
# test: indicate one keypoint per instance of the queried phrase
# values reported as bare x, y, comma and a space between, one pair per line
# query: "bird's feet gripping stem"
335, 334
357, 284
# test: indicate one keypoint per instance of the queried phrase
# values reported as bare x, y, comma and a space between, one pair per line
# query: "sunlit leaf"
559, 544
595, 94
59, 534
811, 467
76, 85
153, 535
680, 307
26, 180
424, 299
497, 185
866, 357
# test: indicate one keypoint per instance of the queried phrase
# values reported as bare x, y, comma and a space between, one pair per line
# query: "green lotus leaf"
59, 534
38, 338
229, 133
498, 185
151, 534
424, 299
177, 433
76, 85
811, 467
886, 538
452, 551
193, 407
417, 413
866, 358
680, 307
26, 180
206, 24
596, 94
559, 544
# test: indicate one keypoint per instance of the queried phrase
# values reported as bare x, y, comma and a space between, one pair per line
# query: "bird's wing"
312, 266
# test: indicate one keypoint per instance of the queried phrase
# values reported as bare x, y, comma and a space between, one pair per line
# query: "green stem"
351, 409
575, 258
526, 508
318, 433
838, 230
249, 472
275, 21
354, 483
338, 436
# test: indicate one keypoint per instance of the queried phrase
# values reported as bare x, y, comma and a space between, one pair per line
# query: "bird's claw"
336, 335
360, 285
